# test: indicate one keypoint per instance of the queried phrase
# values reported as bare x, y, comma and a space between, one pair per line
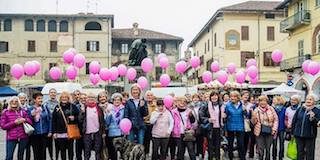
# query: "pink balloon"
142, 82
168, 101
55, 73
114, 73
165, 80
164, 62
251, 62
252, 72
313, 68
30, 68
277, 56
305, 65
125, 126
69, 55
17, 71
240, 77
122, 70
94, 78
181, 67
215, 66
79, 60
231, 68
94, 67
195, 62
147, 65
222, 77
206, 76
38, 66
71, 72
131, 74
254, 80
105, 74
161, 55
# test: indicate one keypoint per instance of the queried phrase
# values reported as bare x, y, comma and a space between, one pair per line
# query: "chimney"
135, 29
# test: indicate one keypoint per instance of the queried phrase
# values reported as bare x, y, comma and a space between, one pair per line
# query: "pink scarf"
38, 111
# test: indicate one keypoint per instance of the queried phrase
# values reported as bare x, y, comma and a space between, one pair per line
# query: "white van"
60, 87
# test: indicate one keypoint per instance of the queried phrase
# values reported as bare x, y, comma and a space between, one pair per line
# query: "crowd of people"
210, 122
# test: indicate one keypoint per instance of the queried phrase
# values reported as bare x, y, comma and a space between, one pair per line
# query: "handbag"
189, 134
73, 130
292, 149
28, 129
264, 128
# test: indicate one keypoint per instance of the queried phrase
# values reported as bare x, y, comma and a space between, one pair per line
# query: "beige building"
157, 43
303, 26
239, 32
41, 37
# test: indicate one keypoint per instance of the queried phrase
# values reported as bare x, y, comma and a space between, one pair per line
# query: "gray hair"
148, 92
13, 98
297, 97
52, 89
116, 95
313, 96
21, 94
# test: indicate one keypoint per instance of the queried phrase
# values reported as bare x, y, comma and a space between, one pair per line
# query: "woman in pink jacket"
183, 118
12, 120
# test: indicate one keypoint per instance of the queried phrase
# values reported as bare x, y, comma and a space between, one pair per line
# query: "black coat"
58, 123
302, 126
136, 114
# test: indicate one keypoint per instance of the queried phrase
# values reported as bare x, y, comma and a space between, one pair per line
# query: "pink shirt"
214, 113
289, 115
93, 120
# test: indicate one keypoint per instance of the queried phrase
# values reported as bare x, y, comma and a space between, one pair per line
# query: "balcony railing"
292, 63
298, 19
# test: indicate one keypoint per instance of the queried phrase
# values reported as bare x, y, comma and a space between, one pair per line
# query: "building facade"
240, 32
41, 37
303, 26
156, 43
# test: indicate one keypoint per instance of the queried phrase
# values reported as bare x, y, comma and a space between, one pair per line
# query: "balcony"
298, 19
293, 63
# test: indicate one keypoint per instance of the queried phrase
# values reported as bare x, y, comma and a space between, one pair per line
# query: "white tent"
284, 90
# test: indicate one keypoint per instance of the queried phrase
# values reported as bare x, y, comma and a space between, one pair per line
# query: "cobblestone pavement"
3, 136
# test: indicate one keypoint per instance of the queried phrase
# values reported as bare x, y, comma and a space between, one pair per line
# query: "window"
7, 25
87, 68
300, 48
201, 60
269, 16
318, 43
53, 46
41, 26
158, 72
92, 46
3, 69
317, 2
28, 25
267, 60
4, 47
209, 64
31, 46
270, 33
205, 48
158, 48
215, 39
52, 65
63, 26
208, 45
245, 33
93, 26
245, 56
52, 26
124, 48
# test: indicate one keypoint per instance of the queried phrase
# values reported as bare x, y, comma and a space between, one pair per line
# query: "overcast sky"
183, 18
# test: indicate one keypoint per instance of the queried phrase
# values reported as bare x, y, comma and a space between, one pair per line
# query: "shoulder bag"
189, 134
73, 130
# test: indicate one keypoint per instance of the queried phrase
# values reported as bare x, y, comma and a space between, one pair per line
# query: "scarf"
278, 108
93, 105
38, 111
294, 107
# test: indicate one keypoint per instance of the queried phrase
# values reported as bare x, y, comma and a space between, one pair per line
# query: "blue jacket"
112, 121
281, 112
302, 126
235, 117
136, 114
43, 126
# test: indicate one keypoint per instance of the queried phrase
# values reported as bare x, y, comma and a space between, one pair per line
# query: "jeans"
62, 145
199, 144
214, 143
94, 142
39, 143
136, 133
240, 144
280, 136
147, 139
161, 143
182, 145
264, 142
11, 145
79, 148
252, 145
50, 147
172, 146
305, 148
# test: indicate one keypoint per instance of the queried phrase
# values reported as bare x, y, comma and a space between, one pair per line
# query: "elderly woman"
265, 121
112, 120
64, 110
195, 106
235, 124
149, 97
290, 112
304, 127
278, 104
12, 120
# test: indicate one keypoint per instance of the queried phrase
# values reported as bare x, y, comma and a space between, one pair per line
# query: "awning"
7, 91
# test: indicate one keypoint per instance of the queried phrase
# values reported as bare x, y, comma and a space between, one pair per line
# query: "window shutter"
97, 46
270, 33
88, 46
7, 46
245, 33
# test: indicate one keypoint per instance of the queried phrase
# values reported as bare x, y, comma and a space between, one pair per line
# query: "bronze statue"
137, 52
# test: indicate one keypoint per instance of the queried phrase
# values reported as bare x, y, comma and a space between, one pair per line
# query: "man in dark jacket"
136, 110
